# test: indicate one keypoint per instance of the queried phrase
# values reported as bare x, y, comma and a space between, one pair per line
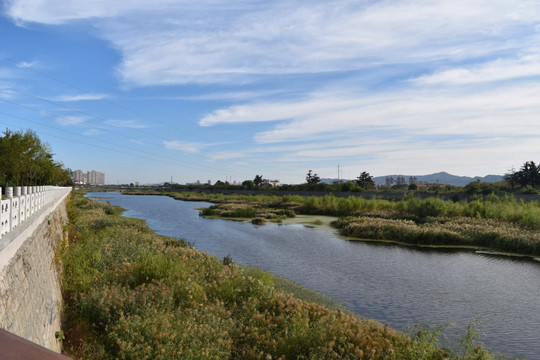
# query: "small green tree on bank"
312, 178
365, 181
529, 174
258, 180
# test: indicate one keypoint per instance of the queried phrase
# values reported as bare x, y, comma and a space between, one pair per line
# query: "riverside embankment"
33, 226
146, 295
393, 284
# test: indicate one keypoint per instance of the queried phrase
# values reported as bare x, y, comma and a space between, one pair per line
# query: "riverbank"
131, 294
485, 223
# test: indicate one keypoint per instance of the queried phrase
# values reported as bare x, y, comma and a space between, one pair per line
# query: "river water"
398, 285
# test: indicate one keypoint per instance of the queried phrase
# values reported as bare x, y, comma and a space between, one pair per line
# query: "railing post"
32, 200
15, 207
41, 195
28, 201
22, 206
8, 203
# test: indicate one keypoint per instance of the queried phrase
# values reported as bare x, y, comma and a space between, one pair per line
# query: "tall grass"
131, 294
499, 223
454, 232
493, 207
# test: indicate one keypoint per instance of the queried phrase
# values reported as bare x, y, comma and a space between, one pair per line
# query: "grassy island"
131, 294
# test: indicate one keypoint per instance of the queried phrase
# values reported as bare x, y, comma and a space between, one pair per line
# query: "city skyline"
91, 177
146, 91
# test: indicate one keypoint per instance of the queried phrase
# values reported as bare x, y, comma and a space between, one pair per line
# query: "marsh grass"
461, 231
498, 223
131, 294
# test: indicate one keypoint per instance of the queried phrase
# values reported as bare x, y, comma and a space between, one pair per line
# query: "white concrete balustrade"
21, 202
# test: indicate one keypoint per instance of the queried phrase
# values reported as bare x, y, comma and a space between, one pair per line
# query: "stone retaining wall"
30, 292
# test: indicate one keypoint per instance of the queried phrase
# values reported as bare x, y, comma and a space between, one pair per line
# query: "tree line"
27, 161
526, 181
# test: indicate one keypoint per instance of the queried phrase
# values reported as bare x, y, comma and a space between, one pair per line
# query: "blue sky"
219, 90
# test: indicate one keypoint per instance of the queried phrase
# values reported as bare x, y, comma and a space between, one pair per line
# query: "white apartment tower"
96, 178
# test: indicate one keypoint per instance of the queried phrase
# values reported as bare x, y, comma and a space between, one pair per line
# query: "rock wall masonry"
30, 289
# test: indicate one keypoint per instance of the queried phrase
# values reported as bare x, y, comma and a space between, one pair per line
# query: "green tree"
529, 174
248, 184
312, 178
511, 177
365, 181
26, 160
347, 186
258, 180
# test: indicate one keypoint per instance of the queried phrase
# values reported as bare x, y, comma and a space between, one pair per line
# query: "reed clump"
131, 294
238, 210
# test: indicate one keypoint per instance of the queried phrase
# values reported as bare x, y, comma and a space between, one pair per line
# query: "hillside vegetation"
131, 294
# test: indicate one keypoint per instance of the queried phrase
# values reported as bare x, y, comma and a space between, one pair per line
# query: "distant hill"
437, 178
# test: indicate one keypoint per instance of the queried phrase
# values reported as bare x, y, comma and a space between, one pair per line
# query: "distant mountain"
437, 178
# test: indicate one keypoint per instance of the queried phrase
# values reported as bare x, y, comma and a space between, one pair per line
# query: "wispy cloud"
412, 112
131, 124
283, 37
81, 97
226, 155
498, 70
27, 64
60, 12
181, 146
71, 120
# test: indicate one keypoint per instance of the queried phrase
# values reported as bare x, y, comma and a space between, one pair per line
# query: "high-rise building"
79, 177
91, 177
96, 178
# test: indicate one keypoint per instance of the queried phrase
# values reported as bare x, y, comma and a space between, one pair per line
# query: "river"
393, 284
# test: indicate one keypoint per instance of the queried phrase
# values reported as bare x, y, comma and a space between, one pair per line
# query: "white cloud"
263, 112
227, 155
509, 110
131, 124
175, 42
26, 64
71, 120
183, 146
54, 12
81, 97
501, 69
327, 36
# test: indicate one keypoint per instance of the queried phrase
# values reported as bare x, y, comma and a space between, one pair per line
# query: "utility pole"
338, 173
